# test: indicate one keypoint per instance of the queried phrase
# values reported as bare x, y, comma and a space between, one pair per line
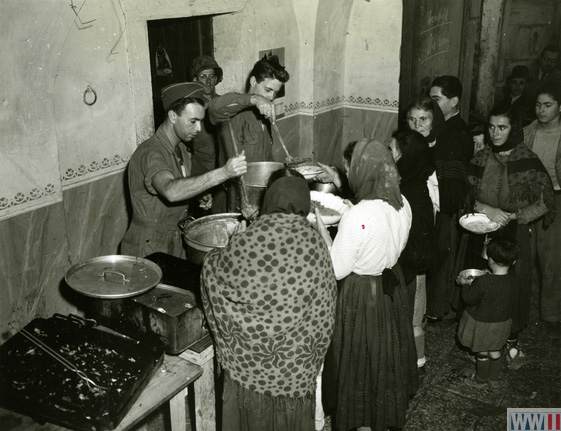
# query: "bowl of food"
309, 171
468, 275
478, 223
331, 208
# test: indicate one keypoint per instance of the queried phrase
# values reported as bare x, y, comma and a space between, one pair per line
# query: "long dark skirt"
370, 370
245, 410
441, 283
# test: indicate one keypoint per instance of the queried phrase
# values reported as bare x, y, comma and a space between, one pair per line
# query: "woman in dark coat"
415, 165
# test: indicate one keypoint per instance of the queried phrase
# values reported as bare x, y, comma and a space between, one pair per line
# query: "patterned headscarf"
269, 299
373, 174
288, 195
527, 178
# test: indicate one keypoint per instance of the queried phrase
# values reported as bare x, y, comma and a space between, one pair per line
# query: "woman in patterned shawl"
510, 185
370, 370
269, 299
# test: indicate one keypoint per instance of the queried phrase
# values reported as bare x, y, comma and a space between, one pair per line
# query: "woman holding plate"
370, 370
509, 184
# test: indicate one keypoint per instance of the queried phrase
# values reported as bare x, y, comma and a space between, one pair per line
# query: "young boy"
486, 322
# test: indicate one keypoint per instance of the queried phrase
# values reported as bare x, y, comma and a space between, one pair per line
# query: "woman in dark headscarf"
447, 188
370, 370
269, 299
415, 165
510, 185
423, 115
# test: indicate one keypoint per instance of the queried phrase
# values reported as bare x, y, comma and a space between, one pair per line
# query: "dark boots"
487, 371
495, 366
481, 377
482, 368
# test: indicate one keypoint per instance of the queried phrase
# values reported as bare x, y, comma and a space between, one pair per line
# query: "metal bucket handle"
185, 221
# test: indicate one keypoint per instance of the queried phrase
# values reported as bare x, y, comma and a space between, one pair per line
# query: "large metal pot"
207, 233
256, 179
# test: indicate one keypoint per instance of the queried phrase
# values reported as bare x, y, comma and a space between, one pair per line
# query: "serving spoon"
290, 161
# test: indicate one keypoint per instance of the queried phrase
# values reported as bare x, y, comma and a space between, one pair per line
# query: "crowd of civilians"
291, 304
397, 254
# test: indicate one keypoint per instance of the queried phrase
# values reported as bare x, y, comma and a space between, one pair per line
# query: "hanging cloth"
163, 63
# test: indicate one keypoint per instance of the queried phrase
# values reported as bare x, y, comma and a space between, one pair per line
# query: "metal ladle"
290, 161
248, 211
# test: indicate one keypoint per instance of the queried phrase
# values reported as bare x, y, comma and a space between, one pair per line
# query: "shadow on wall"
128, 203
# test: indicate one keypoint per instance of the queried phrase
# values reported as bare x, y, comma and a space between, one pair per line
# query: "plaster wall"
372, 61
63, 194
78, 87
356, 74
29, 162
255, 28
62, 119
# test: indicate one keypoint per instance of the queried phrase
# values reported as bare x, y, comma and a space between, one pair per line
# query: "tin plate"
478, 223
329, 201
309, 171
113, 276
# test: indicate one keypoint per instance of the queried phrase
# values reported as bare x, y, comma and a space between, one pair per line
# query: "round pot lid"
114, 276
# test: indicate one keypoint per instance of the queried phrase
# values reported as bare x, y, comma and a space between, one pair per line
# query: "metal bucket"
256, 179
207, 233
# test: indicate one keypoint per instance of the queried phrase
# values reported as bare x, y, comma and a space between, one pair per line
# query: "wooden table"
202, 354
169, 383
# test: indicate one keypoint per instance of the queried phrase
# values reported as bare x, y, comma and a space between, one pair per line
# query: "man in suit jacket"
546, 72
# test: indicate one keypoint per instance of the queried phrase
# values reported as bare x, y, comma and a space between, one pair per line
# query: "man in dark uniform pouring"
159, 175
244, 122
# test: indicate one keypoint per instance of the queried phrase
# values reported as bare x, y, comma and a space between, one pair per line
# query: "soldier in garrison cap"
160, 181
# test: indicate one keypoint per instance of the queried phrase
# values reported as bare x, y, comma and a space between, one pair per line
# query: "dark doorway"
173, 44
440, 37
